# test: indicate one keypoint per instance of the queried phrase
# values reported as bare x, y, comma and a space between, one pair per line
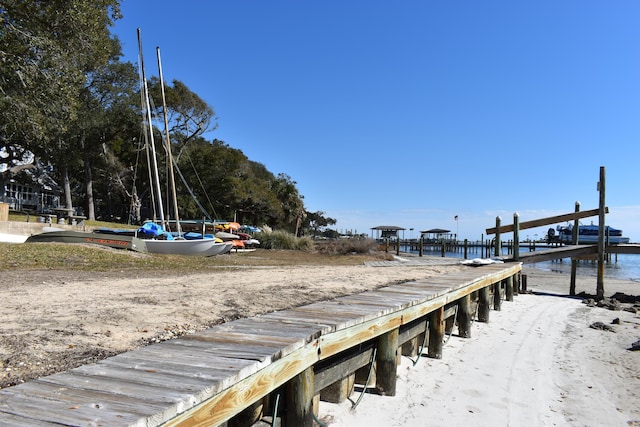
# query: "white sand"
536, 363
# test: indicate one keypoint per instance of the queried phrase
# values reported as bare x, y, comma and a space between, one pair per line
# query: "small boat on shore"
157, 241
587, 234
118, 241
199, 247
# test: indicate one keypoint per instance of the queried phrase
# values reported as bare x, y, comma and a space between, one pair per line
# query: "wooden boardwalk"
235, 371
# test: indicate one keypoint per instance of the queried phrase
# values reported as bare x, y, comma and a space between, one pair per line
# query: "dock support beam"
464, 317
516, 236
483, 305
436, 333
300, 400
601, 230
508, 288
574, 262
386, 362
497, 296
498, 249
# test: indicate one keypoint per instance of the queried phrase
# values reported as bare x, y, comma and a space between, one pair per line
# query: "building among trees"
27, 186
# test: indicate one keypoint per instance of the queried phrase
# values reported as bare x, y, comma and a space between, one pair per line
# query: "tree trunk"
67, 188
88, 178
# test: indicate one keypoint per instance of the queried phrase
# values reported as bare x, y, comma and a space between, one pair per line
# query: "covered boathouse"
386, 232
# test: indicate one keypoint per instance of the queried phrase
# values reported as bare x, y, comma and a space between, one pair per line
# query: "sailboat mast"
168, 145
145, 89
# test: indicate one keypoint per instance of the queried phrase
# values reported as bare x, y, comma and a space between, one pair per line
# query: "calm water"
624, 266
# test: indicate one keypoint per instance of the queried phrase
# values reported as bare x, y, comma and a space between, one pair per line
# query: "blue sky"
410, 113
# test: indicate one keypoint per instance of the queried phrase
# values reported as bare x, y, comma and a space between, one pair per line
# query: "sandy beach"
537, 362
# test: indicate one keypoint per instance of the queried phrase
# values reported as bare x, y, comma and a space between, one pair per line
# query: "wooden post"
483, 305
300, 400
516, 283
516, 237
601, 226
386, 360
574, 263
339, 391
464, 316
508, 287
466, 248
398, 246
410, 348
421, 243
247, 417
497, 296
436, 333
497, 242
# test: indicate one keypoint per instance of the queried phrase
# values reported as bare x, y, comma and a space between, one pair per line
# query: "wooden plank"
233, 400
341, 340
260, 355
264, 325
218, 379
42, 402
11, 420
548, 221
155, 392
287, 316
623, 249
375, 303
342, 318
412, 330
568, 251
346, 365
175, 358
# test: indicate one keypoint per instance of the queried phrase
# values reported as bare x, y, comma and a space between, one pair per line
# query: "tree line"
68, 99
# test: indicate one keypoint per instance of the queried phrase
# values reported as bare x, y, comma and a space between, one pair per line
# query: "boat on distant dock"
587, 234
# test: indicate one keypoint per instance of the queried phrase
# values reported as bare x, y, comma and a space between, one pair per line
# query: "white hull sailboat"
201, 247
168, 244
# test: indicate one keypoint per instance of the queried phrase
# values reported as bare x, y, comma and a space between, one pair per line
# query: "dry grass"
61, 256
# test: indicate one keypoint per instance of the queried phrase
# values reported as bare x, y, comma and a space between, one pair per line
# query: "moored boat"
587, 234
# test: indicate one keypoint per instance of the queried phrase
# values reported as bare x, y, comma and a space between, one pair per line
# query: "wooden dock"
281, 363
